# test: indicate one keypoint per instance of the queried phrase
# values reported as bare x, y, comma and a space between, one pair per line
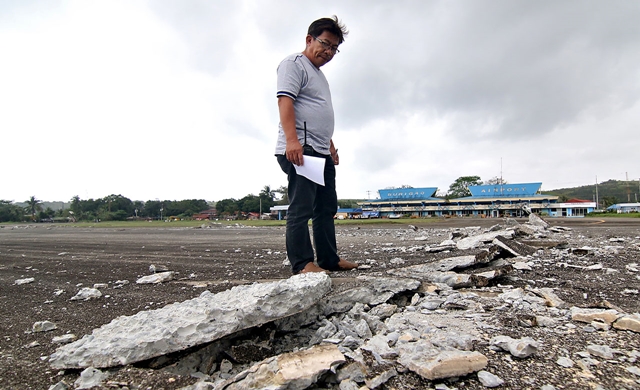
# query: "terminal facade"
486, 201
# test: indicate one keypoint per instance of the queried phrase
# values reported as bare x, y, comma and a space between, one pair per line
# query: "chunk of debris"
43, 326
588, 315
537, 221
64, 339
91, 377
158, 268
477, 240
628, 322
439, 364
520, 348
24, 281
489, 380
514, 247
156, 278
294, 370
179, 326
86, 293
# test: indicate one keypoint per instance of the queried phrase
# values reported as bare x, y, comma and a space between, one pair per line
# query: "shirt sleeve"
291, 78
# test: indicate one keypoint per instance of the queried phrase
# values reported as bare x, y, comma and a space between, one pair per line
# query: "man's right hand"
293, 152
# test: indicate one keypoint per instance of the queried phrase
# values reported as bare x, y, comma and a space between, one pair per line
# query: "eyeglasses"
327, 46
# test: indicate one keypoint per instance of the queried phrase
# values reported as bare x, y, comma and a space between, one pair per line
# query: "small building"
623, 208
280, 211
209, 214
349, 213
572, 208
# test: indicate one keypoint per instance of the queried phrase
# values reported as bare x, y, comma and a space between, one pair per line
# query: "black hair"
331, 25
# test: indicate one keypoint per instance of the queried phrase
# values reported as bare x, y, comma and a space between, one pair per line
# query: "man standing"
306, 128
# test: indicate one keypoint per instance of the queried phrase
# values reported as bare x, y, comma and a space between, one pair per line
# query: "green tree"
494, 181
250, 203
460, 187
348, 204
33, 206
267, 196
227, 206
284, 194
138, 208
46, 214
10, 212
609, 201
152, 209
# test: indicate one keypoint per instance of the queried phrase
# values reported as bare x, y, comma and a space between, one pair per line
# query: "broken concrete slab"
544, 244
482, 279
294, 370
424, 272
159, 277
179, 326
551, 299
86, 293
520, 348
514, 247
528, 230
478, 240
435, 364
588, 315
628, 322
451, 263
43, 326
537, 221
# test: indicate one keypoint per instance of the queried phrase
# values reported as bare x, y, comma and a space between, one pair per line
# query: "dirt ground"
62, 259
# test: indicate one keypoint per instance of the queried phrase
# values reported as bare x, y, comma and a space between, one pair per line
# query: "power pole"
597, 205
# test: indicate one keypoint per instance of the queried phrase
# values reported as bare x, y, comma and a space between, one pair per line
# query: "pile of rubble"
443, 323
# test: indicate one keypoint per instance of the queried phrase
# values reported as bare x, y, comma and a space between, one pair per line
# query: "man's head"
323, 38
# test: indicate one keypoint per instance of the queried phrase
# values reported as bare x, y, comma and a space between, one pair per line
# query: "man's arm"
293, 150
334, 154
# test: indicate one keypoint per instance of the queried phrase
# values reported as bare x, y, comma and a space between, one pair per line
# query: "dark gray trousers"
308, 200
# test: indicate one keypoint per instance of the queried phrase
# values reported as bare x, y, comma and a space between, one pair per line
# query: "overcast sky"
176, 100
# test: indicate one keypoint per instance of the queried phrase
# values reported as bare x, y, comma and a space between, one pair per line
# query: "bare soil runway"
62, 259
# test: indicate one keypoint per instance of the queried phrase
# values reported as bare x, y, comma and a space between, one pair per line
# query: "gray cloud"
525, 68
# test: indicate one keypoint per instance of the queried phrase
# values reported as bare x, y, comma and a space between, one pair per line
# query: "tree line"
119, 208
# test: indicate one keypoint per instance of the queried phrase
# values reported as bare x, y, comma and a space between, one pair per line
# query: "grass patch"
614, 215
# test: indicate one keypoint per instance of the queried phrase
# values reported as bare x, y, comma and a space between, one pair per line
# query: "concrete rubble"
441, 320
178, 326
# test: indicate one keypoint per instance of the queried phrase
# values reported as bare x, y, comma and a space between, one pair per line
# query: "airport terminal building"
486, 201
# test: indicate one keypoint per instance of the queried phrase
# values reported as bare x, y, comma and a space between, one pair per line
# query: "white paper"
312, 168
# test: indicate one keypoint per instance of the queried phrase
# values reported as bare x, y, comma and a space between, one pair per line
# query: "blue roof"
505, 190
358, 210
408, 193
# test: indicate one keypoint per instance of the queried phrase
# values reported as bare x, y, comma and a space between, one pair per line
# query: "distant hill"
622, 191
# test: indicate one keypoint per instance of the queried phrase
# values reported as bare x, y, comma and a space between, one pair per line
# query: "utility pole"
597, 205
628, 189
